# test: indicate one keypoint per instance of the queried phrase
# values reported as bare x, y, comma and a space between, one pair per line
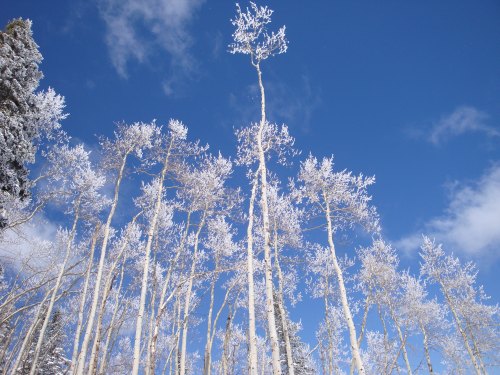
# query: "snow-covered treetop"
251, 36
73, 175
177, 129
50, 112
378, 276
204, 186
345, 194
147, 202
417, 308
220, 237
285, 217
134, 138
459, 279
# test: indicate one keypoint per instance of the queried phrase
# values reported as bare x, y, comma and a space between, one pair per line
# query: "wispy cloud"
471, 222
29, 245
462, 120
138, 28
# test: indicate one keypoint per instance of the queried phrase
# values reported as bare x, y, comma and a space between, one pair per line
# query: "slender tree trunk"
460, 329
94, 354
187, 300
104, 362
477, 353
108, 285
163, 304
386, 340
50, 307
208, 345
207, 358
343, 294
144, 286
83, 298
152, 312
268, 270
328, 327
211, 334
252, 336
426, 349
28, 335
281, 306
100, 269
225, 345
402, 339
177, 341
362, 331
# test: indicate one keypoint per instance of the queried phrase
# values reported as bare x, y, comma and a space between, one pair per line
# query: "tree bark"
76, 341
144, 286
163, 304
103, 365
97, 287
426, 349
281, 306
343, 294
460, 329
268, 270
55, 289
187, 300
252, 336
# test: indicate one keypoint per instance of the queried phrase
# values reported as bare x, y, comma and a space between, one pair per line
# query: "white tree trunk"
94, 356
29, 333
103, 365
152, 306
163, 303
281, 306
212, 331
144, 286
83, 297
402, 339
60, 275
187, 300
362, 331
460, 329
268, 270
426, 349
207, 358
343, 294
252, 336
100, 269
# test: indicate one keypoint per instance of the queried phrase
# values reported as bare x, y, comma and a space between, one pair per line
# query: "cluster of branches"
156, 246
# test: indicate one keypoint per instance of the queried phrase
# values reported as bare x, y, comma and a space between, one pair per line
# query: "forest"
169, 264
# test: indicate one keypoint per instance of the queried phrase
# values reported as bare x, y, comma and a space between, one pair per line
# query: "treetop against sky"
406, 92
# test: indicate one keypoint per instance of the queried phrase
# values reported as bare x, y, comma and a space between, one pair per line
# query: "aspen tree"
81, 185
251, 38
130, 139
343, 200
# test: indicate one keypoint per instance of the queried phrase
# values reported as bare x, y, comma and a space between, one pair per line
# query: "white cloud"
462, 120
28, 246
138, 28
471, 222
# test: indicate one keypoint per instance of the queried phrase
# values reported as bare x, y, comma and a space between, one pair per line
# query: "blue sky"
407, 91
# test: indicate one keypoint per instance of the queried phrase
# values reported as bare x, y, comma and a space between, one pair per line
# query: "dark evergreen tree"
25, 115
19, 78
302, 362
52, 358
